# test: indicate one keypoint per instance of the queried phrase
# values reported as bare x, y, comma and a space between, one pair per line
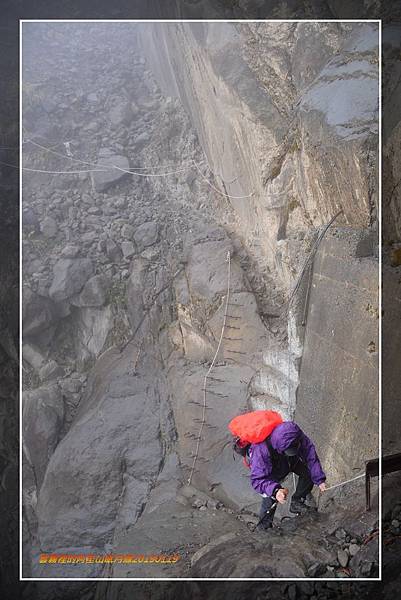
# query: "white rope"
228, 259
217, 190
336, 485
219, 174
148, 174
345, 482
85, 162
52, 172
109, 168
133, 170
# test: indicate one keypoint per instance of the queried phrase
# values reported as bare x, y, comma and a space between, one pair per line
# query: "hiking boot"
298, 506
269, 528
264, 526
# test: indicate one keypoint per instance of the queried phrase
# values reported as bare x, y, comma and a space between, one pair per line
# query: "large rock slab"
43, 413
38, 312
345, 91
227, 397
342, 417
69, 277
107, 461
112, 163
32, 355
93, 325
146, 234
207, 269
282, 151
94, 292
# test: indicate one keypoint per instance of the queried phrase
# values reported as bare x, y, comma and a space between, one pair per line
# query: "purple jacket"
283, 436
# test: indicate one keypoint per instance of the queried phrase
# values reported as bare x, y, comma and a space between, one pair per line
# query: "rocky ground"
125, 271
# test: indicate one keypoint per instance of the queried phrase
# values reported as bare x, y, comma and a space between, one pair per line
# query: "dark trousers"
280, 471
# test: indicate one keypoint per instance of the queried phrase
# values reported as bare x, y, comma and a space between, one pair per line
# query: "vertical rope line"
228, 260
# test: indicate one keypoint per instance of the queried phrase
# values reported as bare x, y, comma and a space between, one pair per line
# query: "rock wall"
286, 128
339, 379
282, 139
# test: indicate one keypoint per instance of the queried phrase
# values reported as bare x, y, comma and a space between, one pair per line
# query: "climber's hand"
322, 486
281, 495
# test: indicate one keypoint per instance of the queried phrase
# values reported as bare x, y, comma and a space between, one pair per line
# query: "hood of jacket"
284, 435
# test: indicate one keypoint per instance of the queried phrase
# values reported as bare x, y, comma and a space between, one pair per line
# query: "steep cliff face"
285, 126
189, 169
290, 132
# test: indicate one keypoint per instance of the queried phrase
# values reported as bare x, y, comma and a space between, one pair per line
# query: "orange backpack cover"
254, 427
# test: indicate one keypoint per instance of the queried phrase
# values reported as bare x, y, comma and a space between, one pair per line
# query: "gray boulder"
207, 269
146, 234
69, 276
343, 557
120, 113
49, 227
32, 355
93, 326
135, 286
93, 293
113, 251
30, 220
128, 249
50, 370
127, 232
42, 419
38, 313
112, 162
113, 446
70, 251
362, 563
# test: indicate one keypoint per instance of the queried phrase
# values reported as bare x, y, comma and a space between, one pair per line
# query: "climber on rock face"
287, 449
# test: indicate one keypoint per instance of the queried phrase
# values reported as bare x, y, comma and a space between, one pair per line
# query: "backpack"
252, 428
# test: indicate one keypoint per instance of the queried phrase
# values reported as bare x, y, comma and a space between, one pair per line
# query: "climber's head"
240, 446
286, 438
292, 450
